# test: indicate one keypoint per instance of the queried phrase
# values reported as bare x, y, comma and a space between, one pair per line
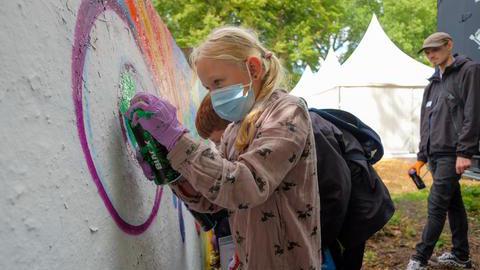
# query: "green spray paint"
152, 152
127, 89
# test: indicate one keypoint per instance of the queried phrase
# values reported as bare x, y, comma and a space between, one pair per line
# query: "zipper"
455, 127
450, 96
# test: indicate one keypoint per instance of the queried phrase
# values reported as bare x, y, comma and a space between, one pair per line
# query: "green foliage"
396, 219
353, 22
301, 31
441, 241
370, 256
295, 30
416, 196
409, 22
406, 22
471, 198
401, 222
470, 195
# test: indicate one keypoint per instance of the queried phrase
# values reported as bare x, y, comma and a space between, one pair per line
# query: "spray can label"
154, 154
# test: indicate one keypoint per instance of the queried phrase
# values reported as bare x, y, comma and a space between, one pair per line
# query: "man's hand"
417, 166
462, 164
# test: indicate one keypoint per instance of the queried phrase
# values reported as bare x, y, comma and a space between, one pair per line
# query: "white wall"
53, 213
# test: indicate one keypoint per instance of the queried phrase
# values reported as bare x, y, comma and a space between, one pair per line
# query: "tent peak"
378, 61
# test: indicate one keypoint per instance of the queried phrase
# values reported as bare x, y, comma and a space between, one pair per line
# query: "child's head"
233, 55
209, 125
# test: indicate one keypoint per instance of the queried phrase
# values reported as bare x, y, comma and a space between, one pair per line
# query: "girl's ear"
255, 66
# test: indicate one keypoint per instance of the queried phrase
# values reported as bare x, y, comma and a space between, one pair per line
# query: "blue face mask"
230, 103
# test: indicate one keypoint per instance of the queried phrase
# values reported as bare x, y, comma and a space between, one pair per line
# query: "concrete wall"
72, 195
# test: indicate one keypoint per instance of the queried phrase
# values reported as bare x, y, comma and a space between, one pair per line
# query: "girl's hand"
158, 117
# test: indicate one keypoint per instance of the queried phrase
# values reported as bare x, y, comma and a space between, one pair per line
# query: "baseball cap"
435, 40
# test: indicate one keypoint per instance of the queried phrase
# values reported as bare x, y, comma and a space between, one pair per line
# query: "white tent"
383, 86
377, 61
306, 85
326, 80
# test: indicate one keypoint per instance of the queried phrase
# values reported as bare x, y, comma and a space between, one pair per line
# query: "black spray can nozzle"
416, 179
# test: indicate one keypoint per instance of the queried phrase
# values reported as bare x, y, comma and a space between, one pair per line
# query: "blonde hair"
236, 44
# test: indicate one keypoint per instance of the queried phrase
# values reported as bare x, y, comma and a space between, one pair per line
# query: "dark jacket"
354, 201
370, 206
333, 179
450, 114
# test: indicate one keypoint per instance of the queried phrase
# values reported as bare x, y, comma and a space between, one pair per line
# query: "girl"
264, 172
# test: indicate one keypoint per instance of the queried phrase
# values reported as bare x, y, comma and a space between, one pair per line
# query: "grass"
470, 195
471, 198
370, 256
416, 196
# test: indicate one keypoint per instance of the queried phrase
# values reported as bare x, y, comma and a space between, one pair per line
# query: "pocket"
446, 170
431, 165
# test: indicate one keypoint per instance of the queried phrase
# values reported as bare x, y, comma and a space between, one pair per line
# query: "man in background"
449, 137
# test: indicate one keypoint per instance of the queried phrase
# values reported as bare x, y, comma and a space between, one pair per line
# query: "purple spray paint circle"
86, 17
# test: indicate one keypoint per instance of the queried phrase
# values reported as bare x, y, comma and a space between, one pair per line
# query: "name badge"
429, 104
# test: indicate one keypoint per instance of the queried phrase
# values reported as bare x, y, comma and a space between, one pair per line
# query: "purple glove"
147, 170
159, 119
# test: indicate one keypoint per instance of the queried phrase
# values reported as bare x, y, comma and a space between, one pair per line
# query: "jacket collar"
459, 61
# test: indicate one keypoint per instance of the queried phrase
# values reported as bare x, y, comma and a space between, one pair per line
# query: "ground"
391, 247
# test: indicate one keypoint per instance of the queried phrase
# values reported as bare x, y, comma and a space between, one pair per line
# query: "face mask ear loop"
249, 76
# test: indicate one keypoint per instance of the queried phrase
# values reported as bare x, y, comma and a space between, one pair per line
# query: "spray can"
154, 153
416, 179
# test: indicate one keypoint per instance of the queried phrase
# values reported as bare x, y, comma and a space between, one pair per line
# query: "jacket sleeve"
422, 147
253, 177
470, 132
192, 198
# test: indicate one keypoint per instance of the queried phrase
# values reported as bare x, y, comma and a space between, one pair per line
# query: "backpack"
369, 204
366, 136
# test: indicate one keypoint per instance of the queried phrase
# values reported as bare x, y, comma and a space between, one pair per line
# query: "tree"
406, 22
353, 22
409, 22
297, 31
301, 31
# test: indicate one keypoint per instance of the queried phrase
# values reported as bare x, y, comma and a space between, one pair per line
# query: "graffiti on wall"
167, 69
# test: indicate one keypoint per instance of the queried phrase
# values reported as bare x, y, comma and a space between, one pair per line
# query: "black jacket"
333, 179
450, 114
354, 201
370, 206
